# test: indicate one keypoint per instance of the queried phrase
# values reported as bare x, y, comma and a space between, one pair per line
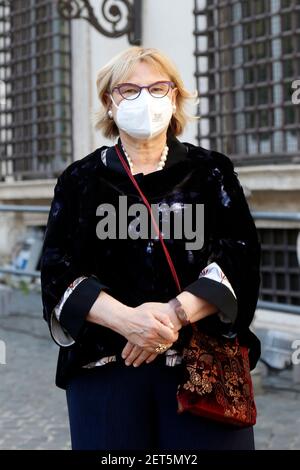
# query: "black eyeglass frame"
170, 83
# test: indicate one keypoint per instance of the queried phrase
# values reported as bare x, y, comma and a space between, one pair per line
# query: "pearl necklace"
161, 163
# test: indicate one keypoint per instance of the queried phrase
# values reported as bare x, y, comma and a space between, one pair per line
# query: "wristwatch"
179, 310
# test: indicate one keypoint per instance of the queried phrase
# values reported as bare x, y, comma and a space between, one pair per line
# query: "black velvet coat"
136, 271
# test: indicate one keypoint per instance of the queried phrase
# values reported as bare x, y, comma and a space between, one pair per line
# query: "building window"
35, 67
280, 272
247, 56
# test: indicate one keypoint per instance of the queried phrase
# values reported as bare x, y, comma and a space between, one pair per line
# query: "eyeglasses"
131, 91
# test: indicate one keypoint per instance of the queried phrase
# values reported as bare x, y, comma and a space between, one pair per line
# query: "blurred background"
243, 58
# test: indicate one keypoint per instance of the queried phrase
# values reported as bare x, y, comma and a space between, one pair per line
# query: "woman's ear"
107, 102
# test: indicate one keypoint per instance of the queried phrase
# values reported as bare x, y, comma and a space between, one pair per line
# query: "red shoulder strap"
166, 251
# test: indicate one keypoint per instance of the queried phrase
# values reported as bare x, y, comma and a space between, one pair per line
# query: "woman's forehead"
143, 73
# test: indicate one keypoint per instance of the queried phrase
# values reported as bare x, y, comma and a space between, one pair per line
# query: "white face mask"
144, 117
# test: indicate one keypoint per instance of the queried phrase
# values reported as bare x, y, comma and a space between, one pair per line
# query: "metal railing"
284, 217
257, 215
36, 68
244, 87
18, 208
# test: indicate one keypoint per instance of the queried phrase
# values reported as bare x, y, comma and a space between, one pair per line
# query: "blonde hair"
120, 67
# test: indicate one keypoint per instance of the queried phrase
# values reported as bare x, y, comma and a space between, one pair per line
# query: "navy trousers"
119, 407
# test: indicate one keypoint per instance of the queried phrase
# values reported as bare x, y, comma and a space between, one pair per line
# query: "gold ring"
161, 348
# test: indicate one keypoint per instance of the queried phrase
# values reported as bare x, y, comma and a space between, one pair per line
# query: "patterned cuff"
68, 292
59, 334
78, 304
214, 272
69, 315
213, 285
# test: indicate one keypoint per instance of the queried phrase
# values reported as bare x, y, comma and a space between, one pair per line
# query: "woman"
108, 294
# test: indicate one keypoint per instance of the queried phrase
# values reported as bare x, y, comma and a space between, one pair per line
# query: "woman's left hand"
136, 355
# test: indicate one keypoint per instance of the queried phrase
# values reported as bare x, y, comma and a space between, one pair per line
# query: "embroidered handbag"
217, 383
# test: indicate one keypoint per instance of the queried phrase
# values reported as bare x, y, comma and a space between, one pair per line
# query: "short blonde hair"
120, 67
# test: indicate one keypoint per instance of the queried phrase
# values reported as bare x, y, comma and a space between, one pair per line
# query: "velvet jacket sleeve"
61, 266
234, 251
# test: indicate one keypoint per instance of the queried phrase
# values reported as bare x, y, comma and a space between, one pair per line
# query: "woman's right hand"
147, 325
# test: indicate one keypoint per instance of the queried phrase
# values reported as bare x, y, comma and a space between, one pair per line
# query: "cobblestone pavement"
33, 412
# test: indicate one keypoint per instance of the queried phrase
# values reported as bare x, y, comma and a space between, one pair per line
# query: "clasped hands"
149, 325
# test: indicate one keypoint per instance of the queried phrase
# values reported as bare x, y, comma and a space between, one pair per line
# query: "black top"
136, 271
